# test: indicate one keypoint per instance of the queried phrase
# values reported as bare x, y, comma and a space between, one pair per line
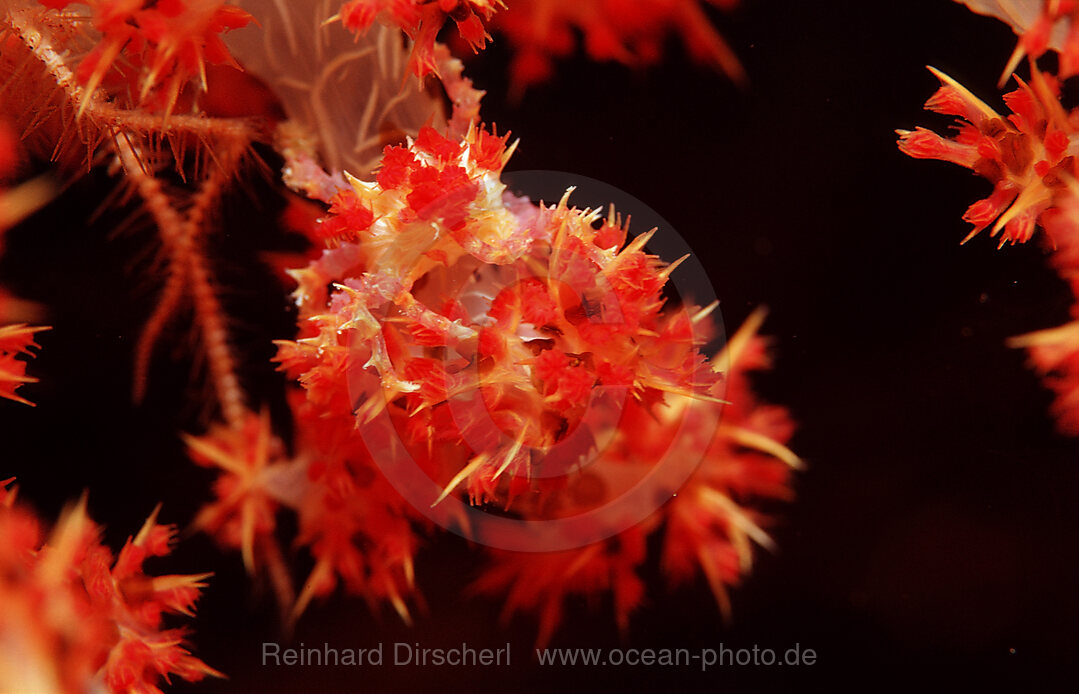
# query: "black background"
933, 540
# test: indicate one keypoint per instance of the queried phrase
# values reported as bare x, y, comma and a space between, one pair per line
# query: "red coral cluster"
163, 44
74, 613
520, 358
1026, 156
1029, 157
422, 20
15, 341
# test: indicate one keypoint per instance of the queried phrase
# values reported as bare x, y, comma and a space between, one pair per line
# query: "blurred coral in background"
76, 617
632, 32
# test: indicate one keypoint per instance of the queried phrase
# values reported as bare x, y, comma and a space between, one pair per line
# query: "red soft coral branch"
1026, 156
1029, 157
422, 20
169, 42
81, 614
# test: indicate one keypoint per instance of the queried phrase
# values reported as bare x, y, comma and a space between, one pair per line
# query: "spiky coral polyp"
483, 323
76, 617
709, 528
15, 341
421, 20
154, 47
1027, 156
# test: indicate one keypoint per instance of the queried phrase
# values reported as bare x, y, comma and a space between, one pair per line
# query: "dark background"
933, 539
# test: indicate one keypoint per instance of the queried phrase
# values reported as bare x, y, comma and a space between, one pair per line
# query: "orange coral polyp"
421, 20
1025, 155
80, 614
167, 42
16, 341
